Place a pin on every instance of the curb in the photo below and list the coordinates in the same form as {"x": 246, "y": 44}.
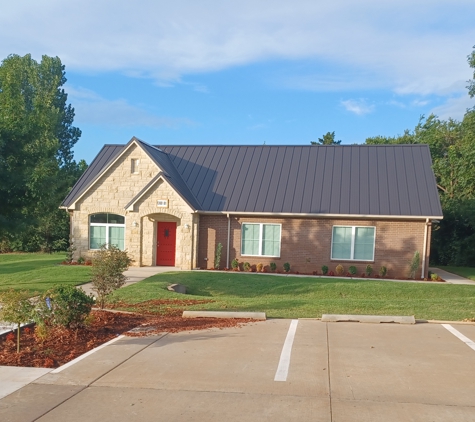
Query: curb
{"x": 373, "y": 319}
{"x": 224, "y": 314}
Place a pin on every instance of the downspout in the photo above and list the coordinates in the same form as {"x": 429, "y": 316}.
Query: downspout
{"x": 424, "y": 249}
{"x": 227, "y": 247}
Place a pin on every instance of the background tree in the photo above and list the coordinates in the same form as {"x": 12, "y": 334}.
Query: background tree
{"x": 471, "y": 82}
{"x": 36, "y": 158}
{"x": 328, "y": 139}
{"x": 452, "y": 150}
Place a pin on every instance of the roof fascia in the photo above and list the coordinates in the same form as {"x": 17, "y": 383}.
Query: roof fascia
{"x": 133, "y": 141}
{"x": 317, "y": 215}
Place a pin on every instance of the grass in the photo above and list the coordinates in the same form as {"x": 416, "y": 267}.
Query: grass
{"x": 467, "y": 272}
{"x": 294, "y": 297}
{"x": 37, "y": 272}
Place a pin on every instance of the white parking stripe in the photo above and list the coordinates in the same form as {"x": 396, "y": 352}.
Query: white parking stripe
{"x": 458, "y": 334}
{"x": 284, "y": 362}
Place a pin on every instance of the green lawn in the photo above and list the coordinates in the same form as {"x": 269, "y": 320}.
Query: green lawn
{"x": 293, "y": 297}
{"x": 467, "y": 272}
{"x": 38, "y": 272}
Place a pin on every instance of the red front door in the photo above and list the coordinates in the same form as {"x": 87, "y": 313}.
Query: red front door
{"x": 166, "y": 241}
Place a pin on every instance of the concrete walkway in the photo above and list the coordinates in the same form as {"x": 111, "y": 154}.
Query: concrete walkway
{"x": 451, "y": 278}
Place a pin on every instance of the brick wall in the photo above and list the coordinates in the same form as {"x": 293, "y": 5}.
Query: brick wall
{"x": 306, "y": 243}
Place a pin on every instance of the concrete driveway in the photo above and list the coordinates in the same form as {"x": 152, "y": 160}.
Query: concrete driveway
{"x": 277, "y": 370}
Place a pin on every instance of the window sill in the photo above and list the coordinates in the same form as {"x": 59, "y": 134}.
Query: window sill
{"x": 371, "y": 261}
{"x": 260, "y": 256}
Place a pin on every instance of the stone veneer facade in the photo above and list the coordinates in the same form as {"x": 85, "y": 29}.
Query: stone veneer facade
{"x": 306, "y": 243}
{"x": 114, "y": 190}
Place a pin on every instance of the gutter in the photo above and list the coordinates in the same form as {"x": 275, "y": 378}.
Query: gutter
{"x": 316, "y": 215}
{"x": 424, "y": 248}
{"x": 227, "y": 247}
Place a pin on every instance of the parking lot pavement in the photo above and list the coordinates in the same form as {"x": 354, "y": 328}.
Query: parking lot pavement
{"x": 324, "y": 371}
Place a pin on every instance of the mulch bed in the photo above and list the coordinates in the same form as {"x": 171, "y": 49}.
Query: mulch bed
{"x": 61, "y": 345}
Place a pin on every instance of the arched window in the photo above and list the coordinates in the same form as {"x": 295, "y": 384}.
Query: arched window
{"x": 106, "y": 229}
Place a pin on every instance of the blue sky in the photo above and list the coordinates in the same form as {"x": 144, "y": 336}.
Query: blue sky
{"x": 249, "y": 72}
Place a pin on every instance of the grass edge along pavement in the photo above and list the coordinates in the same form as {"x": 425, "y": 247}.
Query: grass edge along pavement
{"x": 306, "y": 297}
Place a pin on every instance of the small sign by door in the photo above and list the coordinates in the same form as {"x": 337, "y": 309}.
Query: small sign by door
{"x": 166, "y": 243}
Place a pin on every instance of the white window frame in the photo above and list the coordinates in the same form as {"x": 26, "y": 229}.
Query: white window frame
{"x": 106, "y": 225}
{"x": 353, "y": 237}
{"x": 134, "y": 165}
{"x": 261, "y": 229}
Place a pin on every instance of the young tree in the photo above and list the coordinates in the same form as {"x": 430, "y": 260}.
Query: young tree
{"x": 16, "y": 308}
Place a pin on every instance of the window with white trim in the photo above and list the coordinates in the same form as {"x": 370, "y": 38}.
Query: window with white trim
{"x": 260, "y": 239}
{"x": 353, "y": 243}
{"x": 134, "y": 165}
{"x": 106, "y": 229}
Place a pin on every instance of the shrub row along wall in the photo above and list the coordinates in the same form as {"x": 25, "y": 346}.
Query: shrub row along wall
{"x": 306, "y": 243}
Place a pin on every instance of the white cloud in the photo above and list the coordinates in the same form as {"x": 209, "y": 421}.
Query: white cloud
{"x": 404, "y": 45}
{"x": 93, "y": 109}
{"x": 419, "y": 103}
{"x": 358, "y": 107}
{"x": 454, "y": 108}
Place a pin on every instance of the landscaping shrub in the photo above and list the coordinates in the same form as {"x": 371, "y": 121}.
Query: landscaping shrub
{"x": 369, "y": 270}
{"x": 383, "y": 271}
{"x": 339, "y": 270}
{"x": 286, "y": 267}
{"x": 107, "y": 270}
{"x": 324, "y": 270}
{"x": 273, "y": 266}
{"x": 246, "y": 266}
{"x": 235, "y": 264}
{"x": 64, "y": 305}
{"x": 434, "y": 276}
{"x": 352, "y": 270}
{"x": 259, "y": 267}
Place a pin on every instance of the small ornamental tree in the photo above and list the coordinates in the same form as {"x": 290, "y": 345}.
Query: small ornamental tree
{"x": 17, "y": 309}
{"x": 108, "y": 265}
{"x": 217, "y": 256}
{"x": 414, "y": 265}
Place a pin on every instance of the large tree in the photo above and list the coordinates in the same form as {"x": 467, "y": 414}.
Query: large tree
{"x": 36, "y": 140}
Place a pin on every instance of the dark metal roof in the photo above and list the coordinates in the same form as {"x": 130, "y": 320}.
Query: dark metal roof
{"x": 373, "y": 180}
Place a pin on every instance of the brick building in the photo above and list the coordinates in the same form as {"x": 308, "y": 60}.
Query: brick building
{"x": 306, "y": 205}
